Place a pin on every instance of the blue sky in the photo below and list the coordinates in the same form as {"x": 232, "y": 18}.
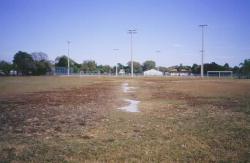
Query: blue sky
{"x": 96, "y": 27}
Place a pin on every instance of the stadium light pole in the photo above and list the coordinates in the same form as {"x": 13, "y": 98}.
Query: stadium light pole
{"x": 116, "y": 70}
{"x": 131, "y": 32}
{"x": 68, "y": 42}
{"x": 202, "y": 48}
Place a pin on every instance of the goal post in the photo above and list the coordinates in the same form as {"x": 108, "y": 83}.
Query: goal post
{"x": 220, "y": 74}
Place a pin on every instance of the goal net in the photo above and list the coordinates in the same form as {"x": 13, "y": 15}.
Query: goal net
{"x": 220, "y": 74}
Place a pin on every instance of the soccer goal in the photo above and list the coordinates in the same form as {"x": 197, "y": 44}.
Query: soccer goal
{"x": 220, "y": 74}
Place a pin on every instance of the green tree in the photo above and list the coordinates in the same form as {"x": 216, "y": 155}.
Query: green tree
{"x": 245, "y": 67}
{"x": 236, "y": 70}
{"x": 24, "y": 63}
{"x": 76, "y": 67}
{"x": 196, "y": 69}
{"x": 103, "y": 69}
{"x": 62, "y": 61}
{"x": 120, "y": 66}
{"x": 226, "y": 67}
{"x": 89, "y": 66}
{"x": 213, "y": 67}
{"x": 147, "y": 65}
{"x": 42, "y": 65}
{"x": 39, "y": 56}
{"x": 137, "y": 67}
{"x": 163, "y": 69}
{"x": 5, "y": 67}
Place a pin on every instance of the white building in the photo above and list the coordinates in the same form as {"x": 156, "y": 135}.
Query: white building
{"x": 152, "y": 72}
{"x": 182, "y": 72}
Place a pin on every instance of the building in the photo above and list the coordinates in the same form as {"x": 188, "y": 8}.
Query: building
{"x": 173, "y": 72}
{"x": 152, "y": 72}
{"x": 185, "y": 72}
{"x": 181, "y": 72}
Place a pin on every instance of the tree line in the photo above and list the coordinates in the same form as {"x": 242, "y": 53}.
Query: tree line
{"x": 27, "y": 64}
{"x": 37, "y": 63}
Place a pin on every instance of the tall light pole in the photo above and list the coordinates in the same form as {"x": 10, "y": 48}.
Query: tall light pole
{"x": 116, "y": 70}
{"x": 131, "y": 32}
{"x": 202, "y": 48}
{"x": 68, "y": 42}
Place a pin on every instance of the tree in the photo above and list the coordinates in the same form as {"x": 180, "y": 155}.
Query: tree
{"x": 137, "y": 67}
{"x": 236, "y": 70}
{"x": 226, "y": 67}
{"x": 106, "y": 69}
{"x": 196, "y": 69}
{"x": 245, "y": 67}
{"x": 120, "y": 66}
{"x": 39, "y": 56}
{"x": 62, "y": 61}
{"x": 76, "y": 67}
{"x": 89, "y": 66}
{"x": 24, "y": 63}
{"x": 127, "y": 69}
{"x": 42, "y": 67}
{"x": 5, "y": 67}
{"x": 163, "y": 69}
{"x": 180, "y": 67}
{"x": 147, "y": 65}
{"x": 213, "y": 67}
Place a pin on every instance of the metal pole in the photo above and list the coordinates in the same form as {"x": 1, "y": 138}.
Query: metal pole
{"x": 202, "y": 48}
{"x": 68, "y": 57}
{"x": 131, "y": 52}
{"x": 131, "y": 32}
{"x": 116, "y": 70}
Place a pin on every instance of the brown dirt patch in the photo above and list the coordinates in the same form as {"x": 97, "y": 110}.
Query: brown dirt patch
{"x": 54, "y": 113}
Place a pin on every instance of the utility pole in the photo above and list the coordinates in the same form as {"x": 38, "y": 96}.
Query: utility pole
{"x": 131, "y": 32}
{"x": 116, "y": 70}
{"x": 202, "y": 48}
{"x": 68, "y": 42}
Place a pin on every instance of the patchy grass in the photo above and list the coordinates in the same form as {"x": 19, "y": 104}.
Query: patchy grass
{"x": 76, "y": 120}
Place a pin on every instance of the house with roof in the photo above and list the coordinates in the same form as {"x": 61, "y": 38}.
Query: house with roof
{"x": 152, "y": 72}
{"x": 179, "y": 71}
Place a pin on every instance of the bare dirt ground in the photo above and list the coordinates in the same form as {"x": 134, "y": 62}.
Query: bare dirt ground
{"x": 77, "y": 120}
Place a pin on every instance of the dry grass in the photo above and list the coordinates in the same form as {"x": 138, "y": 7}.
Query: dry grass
{"x": 76, "y": 120}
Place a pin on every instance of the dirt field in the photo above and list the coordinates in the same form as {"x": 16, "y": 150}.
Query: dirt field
{"x": 60, "y": 119}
